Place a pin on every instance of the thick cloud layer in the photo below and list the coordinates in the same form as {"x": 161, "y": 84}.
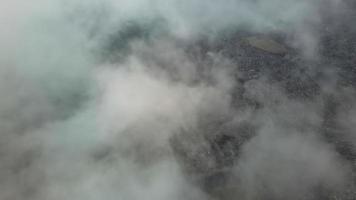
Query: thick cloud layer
{"x": 165, "y": 100}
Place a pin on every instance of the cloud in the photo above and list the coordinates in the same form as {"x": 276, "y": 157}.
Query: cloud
{"x": 94, "y": 94}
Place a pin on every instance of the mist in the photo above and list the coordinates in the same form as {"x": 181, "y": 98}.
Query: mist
{"x": 166, "y": 99}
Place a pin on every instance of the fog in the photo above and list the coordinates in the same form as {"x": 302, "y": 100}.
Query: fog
{"x": 166, "y": 99}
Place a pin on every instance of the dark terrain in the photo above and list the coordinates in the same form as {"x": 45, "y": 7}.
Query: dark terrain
{"x": 301, "y": 79}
